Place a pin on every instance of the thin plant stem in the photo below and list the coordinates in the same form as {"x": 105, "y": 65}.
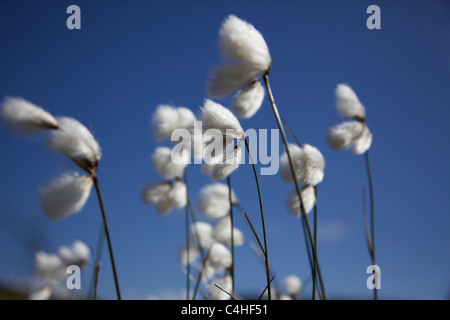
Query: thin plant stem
{"x": 372, "y": 214}
{"x": 97, "y": 257}
{"x": 266, "y": 254}
{"x": 265, "y": 289}
{"x": 108, "y": 238}
{"x": 283, "y": 135}
{"x": 314, "y": 264}
{"x": 188, "y": 265}
{"x": 315, "y": 241}
{"x": 232, "y": 233}
{"x": 97, "y": 271}
{"x": 199, "y": 278}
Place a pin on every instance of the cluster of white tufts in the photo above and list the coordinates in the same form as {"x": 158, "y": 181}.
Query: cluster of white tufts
{"x": 68, "y": 193}
{"x": 220, "y": 130}
{"x": 309, "y": 165}
{"x": 52, "y": 268}
{"x": 208, "y": 251}
{"x": 169, "y": 163}
{"x": 248, "y": 59}
{"x": 353, "y": 133}
{"x": 293, "y": 288}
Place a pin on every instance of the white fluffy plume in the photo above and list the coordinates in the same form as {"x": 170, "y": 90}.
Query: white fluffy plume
{"x": 78, "y": 254}
{"x": 216, "y": 116}
{"x": 65, "y": 195}
{"x": 346, "y": 134}
{"x": 167, "y": 118}
{"x": 178, "y": 193}
{"x": 348, "y": 104}
{"x": 308, "y": 162}
{"x": 364, "y": 141}
{"x": 219, "y": 257}
{"x": 165, "y": 195}
{"x": 308, "y": 199}
{"x": 247, "y": 101}
{"x": 203, "y": 232}
{"x": 25, "y": 117}
{"x": 226, "y": 79}
{"x": 293, "y": 285}
{"x": 49, "y": 267}
{"x": 241, "y": 42}
{"x": 222, "y": 232}
{"x": 170, "y": 165}
{"x": 52, "y": 268}
{"x": 230, "y": 163}
{"x": 214, "y": 202}
{"x": 76, "y": 142}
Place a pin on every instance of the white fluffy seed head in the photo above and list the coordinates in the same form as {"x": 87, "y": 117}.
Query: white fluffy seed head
{"x": 364, "y": 141}
{"x": 170, "y": 165}
{"x": 155, "y": 191}
{"x": 76, "y": 142}
{"x": 346, "y": 134}
{"x": 308, "y": 162}
{"x": 348, "y": 104}
{"x": 240, "y": 41}
{"x": 178, "y": 193}
{"x": 165, "y": 195}
{"x": 214, "y": 202}
{"x": 222, "y": 232}
{"x": 308, "y": 199}
{"x": 226, "y": 79}
{"x": 189, "y": 254}
{"x": 225, "y": 283}
{"x": 216, "y": 116}
{"x": 49, "y": 267}
{"x": 43, "y": 293}
{"x": 203, "y": 232}
{"x": 167, "y": 118}
{"x": 219, "y": 257}
{"x": 79, "y": 254}
{"x": 247, "y": 101}
{"x": 65, "y": 195}
{"x": 230, "y": 163}
{"x": 26, "y": 118}
{"x": 158, "y": 193}
{"x": 293, "y": 285}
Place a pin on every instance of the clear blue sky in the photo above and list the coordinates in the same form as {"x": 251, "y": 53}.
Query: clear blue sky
{"x": 128, "y": 58}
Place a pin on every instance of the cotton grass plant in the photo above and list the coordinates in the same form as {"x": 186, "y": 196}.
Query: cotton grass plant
{"x": 207, "y": 256}
{"x": 355, "y": 134}
{"x": 68, "y": 193}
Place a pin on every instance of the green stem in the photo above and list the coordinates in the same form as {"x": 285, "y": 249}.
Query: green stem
{"x": 266, "y": 254}
{"x": 232, "y": 233}
{"x": 372, "y": 214}
{"x": 283, "y": 135}
{"x": 188, "y": 264}
{"x": 108, "y": 238}
{"x": 315, "y": 242}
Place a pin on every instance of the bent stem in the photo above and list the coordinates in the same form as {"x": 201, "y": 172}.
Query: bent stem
{"x": 372, "y": 215}
{"x": 313, "y": 260}
{"x": 232, "y": 233}
{"x": 108, "y": 238}
{"x": 266, "y": 255}
{"x": 283, "y": 135}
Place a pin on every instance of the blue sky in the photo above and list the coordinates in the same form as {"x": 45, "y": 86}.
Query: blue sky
{"x": 129, "y": 58}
